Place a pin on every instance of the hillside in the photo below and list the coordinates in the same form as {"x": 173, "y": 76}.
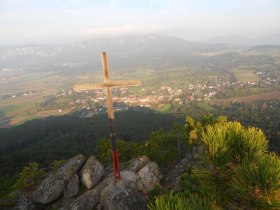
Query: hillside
{"x": 44, "y": 140}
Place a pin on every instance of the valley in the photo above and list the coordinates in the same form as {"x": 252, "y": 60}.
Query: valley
{"x": 204, "y": 73}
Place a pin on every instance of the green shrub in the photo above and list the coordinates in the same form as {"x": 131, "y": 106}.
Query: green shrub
{"x": 56, "y": 164}
{"x": 156, "y": 191}
{"x": 256, "y": 182}
{"x": 127, "y": 150}
{"x": 237, "y": 171}
{"x": 6, "y": 182}
{"x": 30, "y": 176}
{"x": 169, "y": 202}
{"x": 172, "y": 201}
{"x": 189, "y": 184}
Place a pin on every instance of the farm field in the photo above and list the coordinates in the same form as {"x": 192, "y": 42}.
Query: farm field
{"x": 252, "y": 98}
{"x": 18, "y": 109}
{"x": 245, "y": 75}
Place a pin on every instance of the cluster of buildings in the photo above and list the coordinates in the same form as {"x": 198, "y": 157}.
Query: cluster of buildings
{"x": 124, "y": 98}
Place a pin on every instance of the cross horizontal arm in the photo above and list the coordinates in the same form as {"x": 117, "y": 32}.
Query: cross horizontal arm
{"x": 106, "y": 85}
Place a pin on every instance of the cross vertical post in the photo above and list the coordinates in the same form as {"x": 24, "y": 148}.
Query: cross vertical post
{"x": 111, "y": 117}
{"x": 108, "y": 85}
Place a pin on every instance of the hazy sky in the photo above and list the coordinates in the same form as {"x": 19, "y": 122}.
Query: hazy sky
{"x": 60, "y": 21}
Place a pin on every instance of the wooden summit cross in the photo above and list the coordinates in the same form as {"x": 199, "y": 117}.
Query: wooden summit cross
{"x": 108, "y": 85}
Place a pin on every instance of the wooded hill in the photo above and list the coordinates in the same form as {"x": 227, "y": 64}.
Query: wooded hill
{"x": 55, "y": 138}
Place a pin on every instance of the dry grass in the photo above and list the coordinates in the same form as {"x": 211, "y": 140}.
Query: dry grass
{"x": 245, "y": 75}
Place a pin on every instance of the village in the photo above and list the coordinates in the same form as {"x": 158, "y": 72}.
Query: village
{"x": 125, "y": 98}
{"x": 159, "y": 97}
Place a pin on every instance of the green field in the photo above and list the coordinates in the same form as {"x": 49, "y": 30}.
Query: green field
{"x": 245, "y": 75}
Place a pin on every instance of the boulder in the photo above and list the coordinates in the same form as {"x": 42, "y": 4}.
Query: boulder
{"x": 131, "y": 180}
{"x": 136, "y": 164}
{"x": 52, "y": 187}
{"x": 119, "y": 197}
{"x": 72, "y": 188}
{"x": 92, "y": 172}
{"x": 86, "y": 201}
{"x": 150, "y": 176}
{"x": 24, "y": 204}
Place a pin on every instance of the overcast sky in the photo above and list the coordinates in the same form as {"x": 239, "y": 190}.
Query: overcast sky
{"x": 60, "y": 21}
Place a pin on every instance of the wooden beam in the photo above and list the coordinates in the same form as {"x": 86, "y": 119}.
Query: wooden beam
{"x": 107, "y": 85}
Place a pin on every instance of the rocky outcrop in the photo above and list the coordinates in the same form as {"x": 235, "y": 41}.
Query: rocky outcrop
{"x": 91, "y": 172}
{"x": 53, "y": 186}
{"x": 101, "y": 192}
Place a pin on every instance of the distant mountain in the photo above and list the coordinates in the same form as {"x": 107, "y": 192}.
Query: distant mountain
{"x": 265, "y": 48}
{"x": 231, "y": 40}
{"x": 124, "y": 52}
{"x": 273, "y": 39}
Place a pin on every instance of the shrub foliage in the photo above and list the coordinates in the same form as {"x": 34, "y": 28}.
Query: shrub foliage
{"x": 235, "y": 171}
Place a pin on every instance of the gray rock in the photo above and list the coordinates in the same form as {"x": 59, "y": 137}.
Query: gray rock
{"x": 150, "y": 176}
{"x": 119, "y": 197}
{"x": 92, "y": 172}
{"x": 52, "y": 187}
{"x": 24, "y": 204}
{"x": 131, "y": 180}
{"x": 86, "y": 201}
{"x": 72, "y": 188}
{"x": 171, "y": 179}
{"x": 136, "y": 164}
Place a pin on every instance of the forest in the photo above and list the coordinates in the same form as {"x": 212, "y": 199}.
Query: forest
{"x": 54, "y": 138}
